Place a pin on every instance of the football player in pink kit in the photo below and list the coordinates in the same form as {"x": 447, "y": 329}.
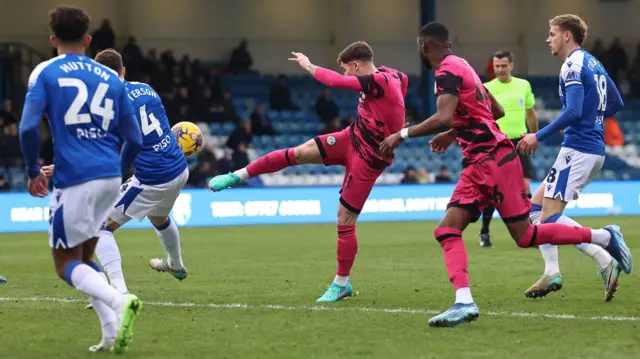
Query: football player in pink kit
{"x": 492, "y": 172}
{"x": 381, "y": 112}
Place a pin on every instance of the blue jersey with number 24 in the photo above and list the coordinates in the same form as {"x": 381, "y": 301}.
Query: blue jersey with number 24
{"x": 84, "y": 102}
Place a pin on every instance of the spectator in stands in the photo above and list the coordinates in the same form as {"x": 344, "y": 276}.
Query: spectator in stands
{"x": 241, "y": 135}
{"x": 261, "y": 122}
{"x": 241, "y": 60}
{"x": 151, "y": 62}
{"x": 133, "y": 59}
{"x": 326, "y": 108}
{"x": 11, "y": 145}
{"x": 4, "y": 185}
{"x": 624, "y": 85}
{"x": 280, "y": 96}
{"x": 182, "y": 98}
{"x": 424, "y": 176}
{"x": 240, "y": 157}
{"x": 207, "y": 107}
{"x": 207, "y": 167}
{"x": 410, "y": 176}
{"x": 225, "y": 164}
{"x": 167, "y": 58}
{"x": 104, "y": 37}
{"x": 213, "y": 81}
{"x": 411, "y": 114}
{"x": 617, "y": 59}
{"x": 443, "y": 176}
{"x": 7, "y": 115}
{"x": 598, "y": 51}
{"x": 334, "y": 125}
{"x": 613, "y": 136}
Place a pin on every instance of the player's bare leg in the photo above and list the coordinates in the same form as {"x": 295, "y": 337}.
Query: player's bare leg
{"x": 449, "y": 234}
{"x": 169, "y": 237}
{"x": 306, "y": 153}
{"x": 347, "y": 248}
{"x": 551, "y": 212}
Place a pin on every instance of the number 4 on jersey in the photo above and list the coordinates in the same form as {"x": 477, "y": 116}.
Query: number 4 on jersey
{"x": 149, "y": 122}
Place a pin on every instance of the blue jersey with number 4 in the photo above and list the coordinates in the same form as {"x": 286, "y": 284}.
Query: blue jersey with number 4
{"x": 84, "y": 102}
{"x": 582, "y": 69}
{"x": 161, "y": 159}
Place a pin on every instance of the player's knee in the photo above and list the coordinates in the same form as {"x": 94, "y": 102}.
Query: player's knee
{"x": 111, "y": 225}
{"x": 525, "y": 236}
{"x": 158, "y": 221}
{"x": 346, "y": 217}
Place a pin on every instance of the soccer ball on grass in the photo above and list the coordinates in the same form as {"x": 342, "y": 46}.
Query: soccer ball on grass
{"x": 189, "y": 137}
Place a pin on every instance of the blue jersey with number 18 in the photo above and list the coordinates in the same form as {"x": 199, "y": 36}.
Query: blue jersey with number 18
{"x": 582, "y": 69}
{"x": 84, "y": 102}
{"x": 161, "y": 159}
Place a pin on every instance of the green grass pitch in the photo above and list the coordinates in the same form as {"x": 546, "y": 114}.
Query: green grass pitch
{"x": 251, "y": 294}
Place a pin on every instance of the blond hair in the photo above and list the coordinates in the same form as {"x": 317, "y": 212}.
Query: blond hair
{"x": 573, "y": 24}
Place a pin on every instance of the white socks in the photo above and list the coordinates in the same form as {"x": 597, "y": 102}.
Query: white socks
{"x": 106, "y": 314}
{"x": 109, "y": 257}
{"x": 463, "y": 296}
{"x": 341, "y": 280}
{"x": 599, "y": 237}
{"x": 88, "y": 281}
{"x": 170, "y": 239}
{"x": 242, "y": 173}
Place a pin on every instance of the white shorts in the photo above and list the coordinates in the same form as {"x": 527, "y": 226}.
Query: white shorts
{"x": 78, "y": 212}
{"x": 139, "y": 200}
{"x": 571, "y": 173}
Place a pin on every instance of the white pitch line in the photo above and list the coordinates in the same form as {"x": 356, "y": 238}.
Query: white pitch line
{"x": 317, "y": 308}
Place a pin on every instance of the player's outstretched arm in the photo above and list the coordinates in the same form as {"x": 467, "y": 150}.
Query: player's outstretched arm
{"x": 614, "y": 100}
{"x": 441, "y": 121}
{"x": 326, "y": 76}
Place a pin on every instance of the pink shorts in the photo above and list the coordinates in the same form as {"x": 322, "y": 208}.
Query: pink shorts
{"x": 498, "y": 180}
{"x": 336, "y": 149}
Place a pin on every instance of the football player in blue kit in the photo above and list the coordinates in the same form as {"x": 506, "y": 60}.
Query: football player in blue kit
{"x": 160, "y": 173}
{"x": 96, "y": 138}
{"x": 588, "y": 95}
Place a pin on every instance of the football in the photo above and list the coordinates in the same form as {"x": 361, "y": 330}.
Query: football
{"x": 189, "y": 137}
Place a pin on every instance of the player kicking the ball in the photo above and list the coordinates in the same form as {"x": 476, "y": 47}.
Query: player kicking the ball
{"x": 88, "y": 113}
{"x": 381, "y": 112}
{"x": 160, "y": 173}
{"x": 492, "y": 173}
{"x": 588, "y": 95}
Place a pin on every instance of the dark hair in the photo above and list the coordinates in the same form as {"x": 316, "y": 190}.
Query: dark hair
{"x": 572, "y": 23}
{"x": 111, "y": 59}
{"x": 436, "y": 31}
{"x": 359, "y": 50}
{"x": 69, "y": 24}
{"x": 501, "y": 54}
